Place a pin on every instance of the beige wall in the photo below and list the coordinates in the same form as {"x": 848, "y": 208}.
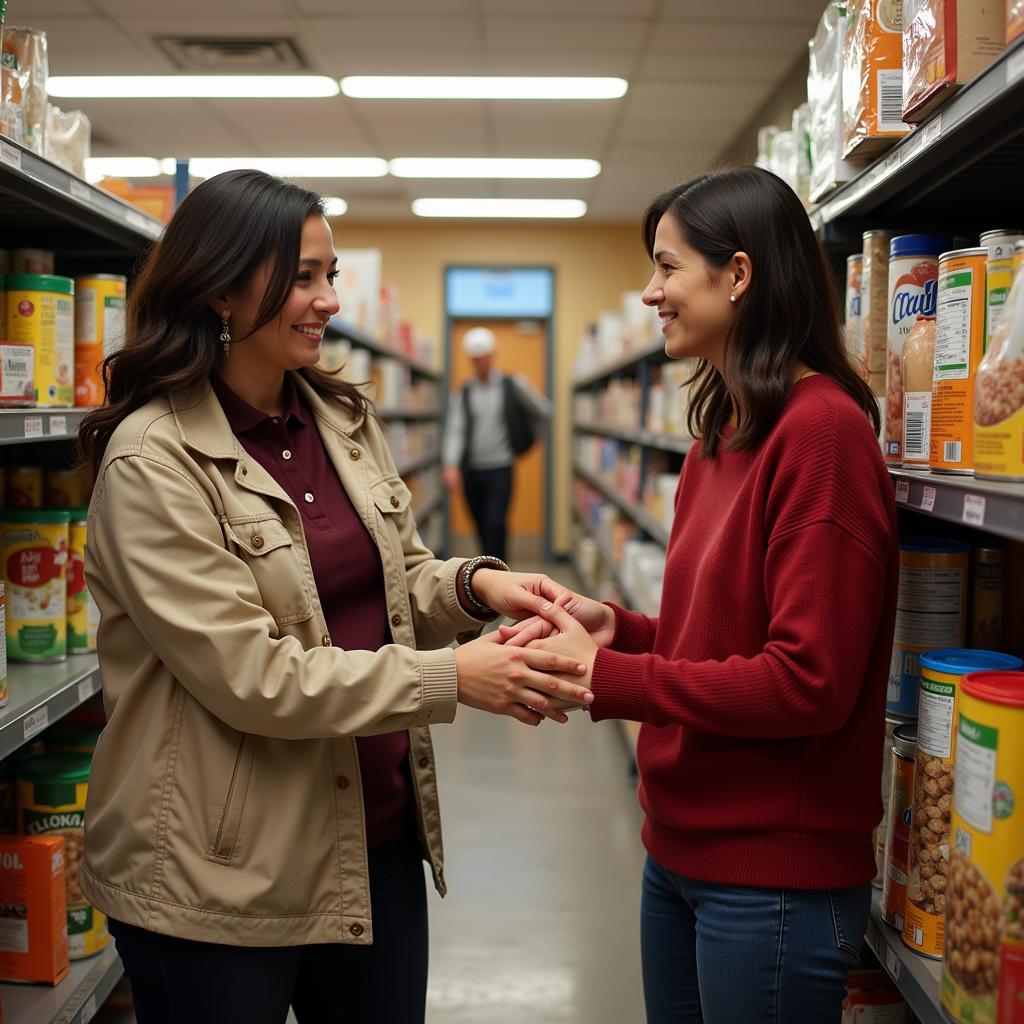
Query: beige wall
{"x": 593, "y": 265}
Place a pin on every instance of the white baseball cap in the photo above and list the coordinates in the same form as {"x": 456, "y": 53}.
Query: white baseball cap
{"x": 479, "y": 341}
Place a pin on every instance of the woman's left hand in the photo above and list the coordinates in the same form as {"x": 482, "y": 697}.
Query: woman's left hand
{"x": 517, "y": 595}
{"x": 569, "y": 639}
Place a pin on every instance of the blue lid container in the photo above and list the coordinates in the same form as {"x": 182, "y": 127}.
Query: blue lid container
{"x": 960, "y": 661}
{"x": 935, "y": 545}
{"x": 903, "y": 246}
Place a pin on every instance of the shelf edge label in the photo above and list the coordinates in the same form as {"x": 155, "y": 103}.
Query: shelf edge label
{"x": 928, "y": 499}
{"x": 1015, "y": 67}
{"x": 58, "y": 425}
{"x": 86, "y": 688}
{"x": 36, "y": 722}
{"x": 974, "y": 509}
{"x": 33, "y": 426}
{"x": 80, "y": 191}
{"x": 903, "y": 491}
{"x": 10, "y": 155}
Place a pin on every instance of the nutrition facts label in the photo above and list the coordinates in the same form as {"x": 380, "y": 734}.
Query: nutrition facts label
{"x": 930, "y": 609}
{"x": 975, "y": 773}
{"x": 953, "y": 330}
{"x": 935, "y": 721}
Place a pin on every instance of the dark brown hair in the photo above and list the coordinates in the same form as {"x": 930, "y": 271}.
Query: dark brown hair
{"x": 788, "y": 315}
{"x": 225, "y": 230}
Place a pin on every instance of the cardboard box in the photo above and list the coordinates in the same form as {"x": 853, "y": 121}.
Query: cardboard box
{"x": 33, "y": 909}
{"x": 1014, "y": 20}
{"x": 945, "y": 44}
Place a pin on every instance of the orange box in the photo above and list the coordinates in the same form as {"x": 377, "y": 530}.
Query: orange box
{"x": 1014, "y": 20}
{"x": 33, "y": 909}
{"x": 872, "y": 77}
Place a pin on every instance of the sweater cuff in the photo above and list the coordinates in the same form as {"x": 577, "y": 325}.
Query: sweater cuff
{"x": 617, "y": 687}
{"x": 439, "y": 679}
{"x": 632, "y": 631}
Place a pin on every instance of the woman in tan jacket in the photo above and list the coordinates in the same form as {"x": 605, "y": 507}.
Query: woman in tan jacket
{"x": 273, "y": 642}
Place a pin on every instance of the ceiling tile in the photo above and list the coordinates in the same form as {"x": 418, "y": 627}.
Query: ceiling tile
{"x": 428, "y": 128}
{"x": 683, "y": 97}
{"x": 797, "y": 12}
{"x": 356, "y": 35}
{"x": 587, "y": 9}
{"x": 611, "y": 35}
{"x": 372, "y": 210}
{"x": 543, "y": 62}
{"x": 547, "y": 129}
{"x": 80, "y": 45}
{"x": 381, "y": 7}
{"x": 44, "y": 8}
{"x": 784, "y": 41}
{"x": 190, "y": 15}
{"x": 384, "y": 61}
{"x": 709, "y": 67}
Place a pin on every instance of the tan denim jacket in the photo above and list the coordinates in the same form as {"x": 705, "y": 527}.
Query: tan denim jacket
{"x": 225, "y": 802}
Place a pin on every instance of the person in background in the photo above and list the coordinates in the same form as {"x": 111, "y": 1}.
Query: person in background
{"x": 491, "y": 422}
{"x": 761, "y": 684}
{"x": 273, "y": 642}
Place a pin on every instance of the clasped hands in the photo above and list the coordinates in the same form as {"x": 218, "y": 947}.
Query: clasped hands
{"x": 541, "y": 666}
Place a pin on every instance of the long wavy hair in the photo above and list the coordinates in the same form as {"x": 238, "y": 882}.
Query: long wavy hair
{"x": 789, "y": 314}
{"x": 222, "y": 233}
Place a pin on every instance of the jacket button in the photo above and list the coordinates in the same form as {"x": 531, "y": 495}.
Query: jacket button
{"x": 341, "y": 782}
{"x": 325, "y": 641}
{"x": 355, "y": 454}
{"x": 257, "y": 541}
{"x": 394, "y": 502}
{"x": 356, "y": 930}
{"x": 245, "y": 472}
{"x": 396, "y": 620}
{"x": 424, "y": 762}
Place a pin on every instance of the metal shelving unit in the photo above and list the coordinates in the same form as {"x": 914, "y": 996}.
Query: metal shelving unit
{"x": 637, "y": 513}
{"x": 339, "y": 328}
{"x": 609, "y": 562}
{"x": 18, "y": 426}
{"x": 418, "y": 464}
{"x": 644, "y": 438}
{"x": 410, "y": 415}
{"x": 651, "y": 350}
{"x": 429, "y": 508}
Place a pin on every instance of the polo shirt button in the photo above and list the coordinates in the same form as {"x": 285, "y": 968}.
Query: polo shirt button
{"x": 396, "y": 620}
{"x": 355, "y": 454}
{"x": 309, "y": 498}
{"x": 341, "y": 782}
{"x": 325, "y": 641}
{"x": 356, "y": 930}
{"x": 257, "y": 541}
{"x": 394, "y": 502}
{"x": 424, "y": 762}
{"x": 286, "y": 455}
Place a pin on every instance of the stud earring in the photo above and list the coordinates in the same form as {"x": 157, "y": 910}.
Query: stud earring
{"x": 732, "y": 298}
{"x": 225, "y": 331}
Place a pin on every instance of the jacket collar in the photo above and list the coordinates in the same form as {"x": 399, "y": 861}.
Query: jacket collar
{"x": 205, "y": 428}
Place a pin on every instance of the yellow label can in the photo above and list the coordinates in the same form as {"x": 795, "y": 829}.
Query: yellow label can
{"x": 983, "y": 973}
{"x": 999, "y": 244}
{"x": 83, "y": 614}
{"x": 99, "y": 332}
{"x": 67, "y": 488}
{"x": 41, "y": 313}
{"x": 24, "y": 487}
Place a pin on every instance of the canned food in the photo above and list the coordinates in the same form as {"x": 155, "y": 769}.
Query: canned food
{"x": 854, "y": 320}
{"x": 918, "y": 366}
{"x": 902, "y": 756}
{"x": 881, "y": 833}
{"x": 25, "y": 487}
{"x": 17, "y": 374}
{"x": 999, "y": 274}
{"x": 52, "y": 791}
{"x": 959, "y": 347}
{"x": 930, "y": 613}
{"x": 941, "y": 674}
{"x": 987, "y": 589}
{"x": 67, "y": 488}
{"x": 3, "y": 305}
{"x": 983, "y": 976}
{"x": 5, "y": 693}
{"x": 32, "y": 261}
{"x": 875, "y": 305}
{"x": 83, "y": 613}
{"x": 34, "y": 548}
{"x": 99, "y": 332}
{"x": 41, "y": 313}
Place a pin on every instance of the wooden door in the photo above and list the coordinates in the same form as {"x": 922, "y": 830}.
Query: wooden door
{"x": 522, "y": 348}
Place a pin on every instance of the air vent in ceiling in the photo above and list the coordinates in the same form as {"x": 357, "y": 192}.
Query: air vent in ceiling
{"x": 193, "y": 53}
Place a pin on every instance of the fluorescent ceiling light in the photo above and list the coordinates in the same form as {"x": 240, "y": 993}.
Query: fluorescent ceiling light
{"x": 425, "y": 87}
{"x": 191, "y": 86}
{"x": 528, "y": 208}
{"x": 292, "y": 166}
{"x": 99, "y": 167}
{"x": 485, "y": 167}
{"x": 334, "y": 206}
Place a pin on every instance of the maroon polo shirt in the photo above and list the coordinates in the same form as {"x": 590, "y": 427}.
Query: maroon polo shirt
{"x": 348, "y": 574}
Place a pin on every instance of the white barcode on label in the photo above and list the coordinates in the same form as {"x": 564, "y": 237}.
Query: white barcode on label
{"x": 952, "y": 451}
{"x": 928, "y": 499}
{"x": 10, "y": 155}
{"x": 890, "y": 101}
{"x": 33, "y": 426}
{"x": 915, "y": 439}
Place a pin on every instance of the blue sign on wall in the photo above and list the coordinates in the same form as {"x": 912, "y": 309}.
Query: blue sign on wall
{"x": 486, "y": 292}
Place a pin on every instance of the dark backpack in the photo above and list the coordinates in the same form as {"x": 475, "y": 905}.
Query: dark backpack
{"x": 519, "y": 418}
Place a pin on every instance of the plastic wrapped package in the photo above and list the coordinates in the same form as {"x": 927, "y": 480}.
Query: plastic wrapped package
{"x": 802, "y": 138}
{"x": 765, "y": 140}
{"x": 945, "y": 44}
{"x": 25, "y": 65}
{"x": 873, "y": 77}
{"x": 875, "y": 306}
{"x": 783, "y": 158}
{"x": 68, "y": 138}
{"x": 1014, "y": 20}
{"x": 825, "y": 96}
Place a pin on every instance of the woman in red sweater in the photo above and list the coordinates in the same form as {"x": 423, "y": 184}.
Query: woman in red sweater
{"x": 761, "y": 685}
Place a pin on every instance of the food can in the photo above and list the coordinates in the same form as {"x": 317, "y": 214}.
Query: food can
{"x": 881, "y": 833}
{"x": 24, "y": 487}
{"x": 73, "y": 738}
{"x": 32, "y": 261}
{"x": 918, "y": 366}
{"x": 983, "y": 976}
{"x": 5, "y": 693}
{"x": 34, "y": 548}
{"x": 52, "y": 790}
{"x": 854, "y": 318}
{"x": 99, "y": 331}
{"x": 17, "y": 374}
{"x": 930, "y": 613}
{"x": 913, "y": 287}
{"x": 927, "y": 878}
{"x": 902, "y": 754}
{"x": 999, "y": 244}
{"x": 3, "y": 306}
{"x": 988, "y": 586}
{"x": 67, "y": 488}
{"x": 41, "y": 313}
{"x": 959, "y": 347}
{"x": 875, "y": 306}
{"x": 83, "y": 613}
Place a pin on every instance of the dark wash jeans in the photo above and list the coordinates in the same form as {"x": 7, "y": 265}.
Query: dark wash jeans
{"x": 488, "y": 495}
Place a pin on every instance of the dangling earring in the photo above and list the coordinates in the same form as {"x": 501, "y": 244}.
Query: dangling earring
{"x": 225, "y": 331}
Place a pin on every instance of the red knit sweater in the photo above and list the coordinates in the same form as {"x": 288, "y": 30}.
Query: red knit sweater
{"x": 761, "y": 685}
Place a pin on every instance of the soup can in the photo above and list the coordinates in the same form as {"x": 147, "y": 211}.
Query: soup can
{"x": 67, "y": 488}
{"x": 854, "y": 317}
{"x": 881, "y": 833}
{"x": 959, "y": 347}
{"x": 988, "y": 586}
{"x": 41, "y": 313}
{"x": 32, "y": 261}
{"x": 918, "y": 368}
{"x": 928, "y": 875}
{"x": 983, "y": 973}
{"x": 999, "y": 244}
{"x": 52, "y": 790}
{"x": 931, "y": 613}
{"x": 17, "y": 375}
{"x": 24, "y": 487}
{"x": 99, "y": 331}
{"x": 83, "y": 614}
{"x": 34, "y": 549}
{"x": 913, "y": 287}
{"x": 902, "y": 754}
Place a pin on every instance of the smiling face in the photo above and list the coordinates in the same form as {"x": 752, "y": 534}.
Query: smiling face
{"x": 292, "y": 339}
{"x": 692, "y": 297}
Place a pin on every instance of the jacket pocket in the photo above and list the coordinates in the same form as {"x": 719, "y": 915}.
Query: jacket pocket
{"x": 265, "y": 545}
{"x": 391, "y": 497}
{"x": 225, "y": 835}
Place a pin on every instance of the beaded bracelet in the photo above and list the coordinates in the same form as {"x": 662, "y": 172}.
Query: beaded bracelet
{"x": 480, "y": 562}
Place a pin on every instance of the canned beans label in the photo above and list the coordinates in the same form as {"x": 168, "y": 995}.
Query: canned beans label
{"x": 35, "y": 565}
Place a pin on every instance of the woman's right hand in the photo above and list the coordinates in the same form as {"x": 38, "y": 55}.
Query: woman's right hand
{"x": 596, "y": 618}
{"x": 515, "y": 681}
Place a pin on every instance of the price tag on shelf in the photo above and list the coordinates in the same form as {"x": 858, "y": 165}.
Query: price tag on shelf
{"x": 1015, "y": 67}
{"x": 58, "y": 425}
{"x": 928, "y": 499}
{"x": 903, "y": 491}
{"x": 36, "y": 722}
{"x": 88, "y": 1009}
{"x": 893, "y": 964}
{"x": 10, "y": 155}
{"x": 80, "y": 191}
{"x": 33, "y": 426}
{"x": 933, "y": 129}
{"x": 892, "y": 162}
{"x": 974, "y": 509}
{"x": 87, "y": 687}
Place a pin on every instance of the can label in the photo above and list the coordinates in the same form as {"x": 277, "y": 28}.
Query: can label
{"x": 99, "y": 333}
{"x": 35, "y": 565}
{"x": 83, "y": 614}
{"x": 987, "y": 598}
{"x": 17, "y": 375}
{"x": 5, "y": 695}
{"x": 897, "y": 848}
{"x": 46, "y": 321}
{"x": 854, "y": 316}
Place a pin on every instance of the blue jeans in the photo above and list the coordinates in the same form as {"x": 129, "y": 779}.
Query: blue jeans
{"x": 718, "y": 954}
{"x": 488, "y": 495}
